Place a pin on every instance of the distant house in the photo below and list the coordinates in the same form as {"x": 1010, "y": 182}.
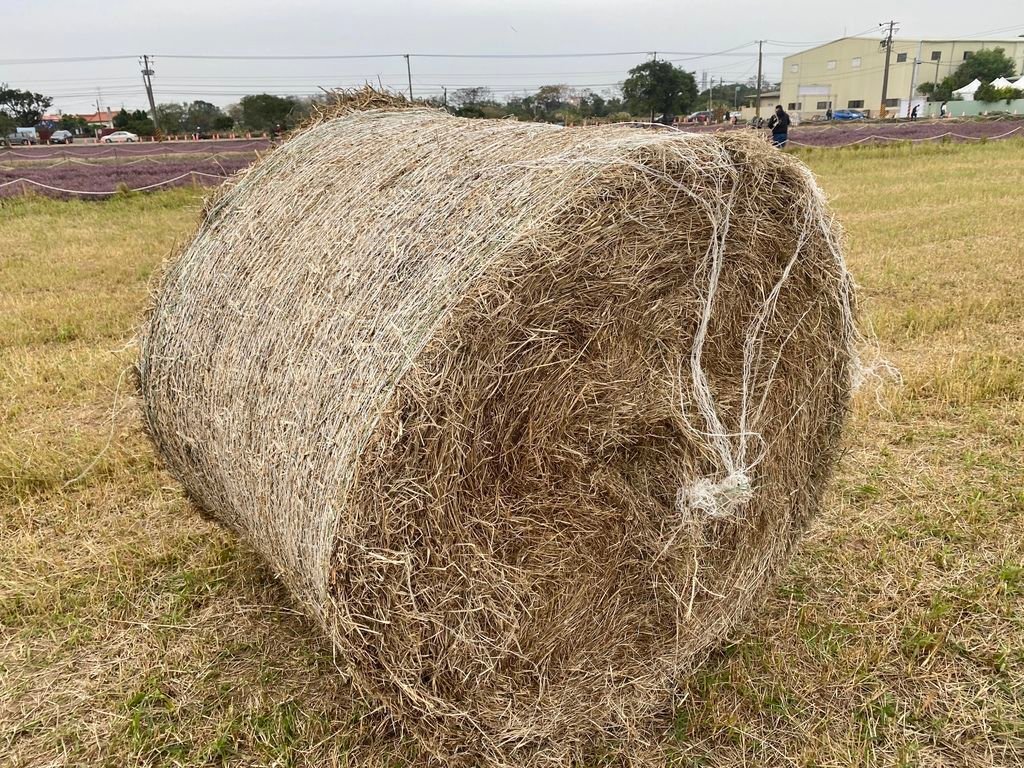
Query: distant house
{"x": 104, "y": 119}
{"x": 769, "y": 100}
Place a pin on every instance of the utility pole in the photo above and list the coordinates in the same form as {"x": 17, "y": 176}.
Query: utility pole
{"x": 147, "y": 80}
{"x": 887, "y": 43}
{"x": 711, "y": 93}
{"x": 913, "y": 83}
{"x": 408, "y": 71}
{"x": 757, "y": 100}
{"x": 444, "y": 89}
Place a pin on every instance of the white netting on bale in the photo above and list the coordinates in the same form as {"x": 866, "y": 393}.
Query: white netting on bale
{"x": 524, "y": 416}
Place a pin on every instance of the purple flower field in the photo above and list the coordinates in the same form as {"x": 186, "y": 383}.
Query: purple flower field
{"x": 96, "y": 171}
{"x": 143, "y": 149}
{"x": 102, "y": 180}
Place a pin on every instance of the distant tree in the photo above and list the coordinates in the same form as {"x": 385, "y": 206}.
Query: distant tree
{"x": 985, "y": 65}
{"x": 201, "y": 116}
{"x": 23, "y": 108}
{"x": 471, "y": 97}
{"x": 223, "y": 123}
{"x": 137, "y": 122}
{"x": 73, "y": 123}
{"x": 613, "y": 102}
{"x": 728, "y": 96}
{"x": 592, "y": 105}
{"x": 170, "y": 118}
{"x": 659, "y": 87}
{"x": 989, "y": 93}
{"x": 550, "y": 100}
{"x": 234, "y": 111}
{"x": 265, "y": 112}
{"x": 942, "y": 91}
{"x": 141, "y": 123}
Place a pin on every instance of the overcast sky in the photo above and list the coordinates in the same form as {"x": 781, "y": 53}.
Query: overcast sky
{"x": 679, "y": 31}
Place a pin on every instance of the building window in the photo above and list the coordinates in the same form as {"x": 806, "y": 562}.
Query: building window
{"x": 936, "y": 55}
{"x": 823, "y": 105}
{"x": 855, "y": 62}
{"x": 892, "y": 102}
{"x": 901, "y": 57}
{"x": 855, "y": 104}
{"x": 794, "y": 67}
{"x": 968, "y": 54}
{"x": 795, "y": 105}
{"x": 831, "y": 64}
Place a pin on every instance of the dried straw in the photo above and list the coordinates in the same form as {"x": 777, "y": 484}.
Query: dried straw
{"x": 524, "y": 416}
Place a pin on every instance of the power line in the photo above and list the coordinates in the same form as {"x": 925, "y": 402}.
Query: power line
{"x": 347, "y": 57}
{"x": 995, "y": 31}
{"x": 66, "y": 59}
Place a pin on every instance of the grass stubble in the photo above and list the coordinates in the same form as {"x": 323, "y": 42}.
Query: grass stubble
{"x": 132, "y": 632}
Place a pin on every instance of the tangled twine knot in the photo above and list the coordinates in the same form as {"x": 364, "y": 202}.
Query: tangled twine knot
{"x": 715, "y": 499}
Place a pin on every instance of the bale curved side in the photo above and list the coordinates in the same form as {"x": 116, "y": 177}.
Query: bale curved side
{"x": 452, "y": 379}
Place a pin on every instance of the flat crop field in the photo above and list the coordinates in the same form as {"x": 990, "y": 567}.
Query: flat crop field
{"x": 135, "y": 633}
{"x": 101, "y": 170}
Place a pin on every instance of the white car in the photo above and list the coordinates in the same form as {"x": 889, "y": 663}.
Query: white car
{"x": 117, "y": 136}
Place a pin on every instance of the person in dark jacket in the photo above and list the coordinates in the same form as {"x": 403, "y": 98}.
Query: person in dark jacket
{"x": 779, "y": 123}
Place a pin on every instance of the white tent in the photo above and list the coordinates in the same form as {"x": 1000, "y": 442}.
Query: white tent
{"x": 1019, "y": 84}
{"x": 967, "y": 92}
{"x": 1001, "y": 82}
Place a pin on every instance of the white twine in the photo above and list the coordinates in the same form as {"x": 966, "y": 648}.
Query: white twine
{"x": 716, "y": 499}
{"x": 722, "y": 495}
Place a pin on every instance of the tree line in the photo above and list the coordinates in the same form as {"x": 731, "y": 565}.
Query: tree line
{"x": 653, "y": 90}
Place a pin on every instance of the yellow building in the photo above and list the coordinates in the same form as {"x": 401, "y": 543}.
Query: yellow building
{"x": 769, "y": 99}
{"x": 847, "y": 73}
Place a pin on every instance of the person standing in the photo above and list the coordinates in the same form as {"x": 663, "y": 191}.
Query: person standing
{"x": 779, "y": 123}
{"x": 913, "y": 113}
{"x": 828, "y": 113}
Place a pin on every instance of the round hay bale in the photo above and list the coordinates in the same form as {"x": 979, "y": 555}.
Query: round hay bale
{"x": 524, "y": 416}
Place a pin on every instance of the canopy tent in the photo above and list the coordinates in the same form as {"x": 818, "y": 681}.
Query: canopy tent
{"x": 967, "y": 92}
{"x": 1019, "y": 84}
{"x": 1002, "y": 82}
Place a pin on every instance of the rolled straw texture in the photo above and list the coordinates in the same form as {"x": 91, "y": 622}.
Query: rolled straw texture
{"x": 525, "y": 417}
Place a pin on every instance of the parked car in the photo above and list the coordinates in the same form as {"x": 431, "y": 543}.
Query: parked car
{"x": 22, "y": 136}
{"x": 119, "y": 136}
{"x": 701, "y": 117}
{"x": 848, "y": 114}
{"x": 62, "y": 137}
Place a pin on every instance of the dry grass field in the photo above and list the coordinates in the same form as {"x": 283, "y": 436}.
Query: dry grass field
{"x": 133, "y": 633}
